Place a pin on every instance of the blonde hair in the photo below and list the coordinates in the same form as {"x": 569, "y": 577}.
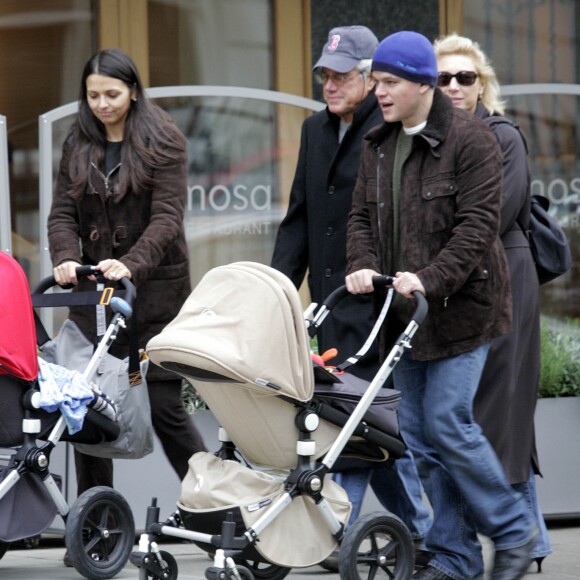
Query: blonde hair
{"x": 455, "y": 44}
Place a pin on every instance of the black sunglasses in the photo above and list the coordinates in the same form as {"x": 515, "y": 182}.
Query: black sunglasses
{"x": 464, "y": 77}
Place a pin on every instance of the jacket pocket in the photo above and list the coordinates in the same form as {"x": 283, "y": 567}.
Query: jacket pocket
{"x": 439, "y": 202}
{"x": 467, "y": 313}
{"x": 371, "y": 190}
{"x": 477, "y": 287}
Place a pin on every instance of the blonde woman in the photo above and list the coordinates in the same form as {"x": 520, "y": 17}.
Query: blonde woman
{"x": 508, "y": 391}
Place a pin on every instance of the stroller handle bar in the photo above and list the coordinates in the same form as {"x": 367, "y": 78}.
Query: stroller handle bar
{"x": 379, "y": 282}
{"x": 85, "y": 271}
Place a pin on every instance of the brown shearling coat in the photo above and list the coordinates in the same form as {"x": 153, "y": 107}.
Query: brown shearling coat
{"x": 143, "y": 230}
{"x": 449, "y": 220}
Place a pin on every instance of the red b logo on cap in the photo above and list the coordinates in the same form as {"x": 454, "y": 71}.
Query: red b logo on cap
{"x": 333, "y": 44}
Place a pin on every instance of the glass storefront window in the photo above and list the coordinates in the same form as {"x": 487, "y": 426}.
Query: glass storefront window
{"x": 235, "y": 194}
{"x": 212, "y": 42}
{"x": 534, "y": 47}
{"x": 43, "y": 46}
{"x": 238, "y": 152}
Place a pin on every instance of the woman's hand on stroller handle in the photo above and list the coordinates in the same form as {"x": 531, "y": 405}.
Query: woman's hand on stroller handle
{"x": 66, "y": 274}
{"x": 113, "y": 269}
{"x": 67, "y": 281}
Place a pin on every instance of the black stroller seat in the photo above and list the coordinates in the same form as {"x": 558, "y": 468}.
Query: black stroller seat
{"x": 15, "y": 406}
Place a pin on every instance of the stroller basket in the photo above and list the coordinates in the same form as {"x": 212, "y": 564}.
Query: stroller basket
{"x": 30, "y": 496}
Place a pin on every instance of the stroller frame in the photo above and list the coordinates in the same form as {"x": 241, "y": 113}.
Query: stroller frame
{"x": 307, "y": 479}
{"x": 112, "y": 513}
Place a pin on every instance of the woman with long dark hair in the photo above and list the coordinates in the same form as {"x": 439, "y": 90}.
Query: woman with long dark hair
{"x": 119, "y": 203}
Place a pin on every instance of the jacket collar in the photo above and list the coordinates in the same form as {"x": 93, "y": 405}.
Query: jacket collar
{"x": 438, "y": 122}
{"x": 481, "y": 111}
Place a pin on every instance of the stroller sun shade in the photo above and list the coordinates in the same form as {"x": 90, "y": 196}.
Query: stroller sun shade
{"x": 18, "y": 352}
{"x": 243, "y": 323}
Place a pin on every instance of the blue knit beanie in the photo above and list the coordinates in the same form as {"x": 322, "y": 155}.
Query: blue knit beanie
{"x": 408, "y": 55}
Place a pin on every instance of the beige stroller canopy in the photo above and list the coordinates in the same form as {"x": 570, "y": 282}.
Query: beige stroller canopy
{"x": 241, "y": 341}
{"x": 243, "y": 323}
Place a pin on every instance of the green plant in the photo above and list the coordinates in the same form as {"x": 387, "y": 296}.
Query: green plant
{"x": 191, "y": 399}
{"x": 560, "y": 366}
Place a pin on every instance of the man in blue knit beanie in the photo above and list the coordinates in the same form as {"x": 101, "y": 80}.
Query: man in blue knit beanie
{"x": 426, "y": 208}
{"x": 311, "y": 245}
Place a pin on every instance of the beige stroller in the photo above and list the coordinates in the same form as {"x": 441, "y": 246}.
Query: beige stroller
{"x": 265, "y": 503}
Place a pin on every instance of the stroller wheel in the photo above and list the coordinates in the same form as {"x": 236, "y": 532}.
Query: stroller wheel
{"x": 240, "y": 573}
{"x": 4, "y": 548}
{"x": 264, "y": 570}
{"x": 161, "y": 566}
{"x": 243, "y": 573}
{"x": 100, "y": 533}
{"x": 377, "y": 544}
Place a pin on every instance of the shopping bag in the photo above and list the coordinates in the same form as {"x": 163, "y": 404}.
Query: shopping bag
{"x": 71, "y": 349}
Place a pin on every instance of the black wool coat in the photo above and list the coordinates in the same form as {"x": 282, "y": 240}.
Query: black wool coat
{"x": 312, "y": 236}
{"x": 508, "y": 392}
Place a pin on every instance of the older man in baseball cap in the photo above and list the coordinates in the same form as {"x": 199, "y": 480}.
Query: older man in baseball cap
{"x": 312, "y": 237}
{"x": 343, "y": 70}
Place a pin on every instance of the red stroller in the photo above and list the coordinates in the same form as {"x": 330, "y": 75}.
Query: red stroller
{"x": 99, "y": 529}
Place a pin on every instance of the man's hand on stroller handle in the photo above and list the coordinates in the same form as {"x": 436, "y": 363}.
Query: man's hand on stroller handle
{"x": 406, "y": 283}
{"x": 364, "y": 282}
{"x": 361, "y": 281}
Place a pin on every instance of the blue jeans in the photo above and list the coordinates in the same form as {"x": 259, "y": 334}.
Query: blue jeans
{"x": 354, "y": 482}
{"x": 460, "y": 472}
{"x": 543, "y": 546}
{"x": 397, "y": 486}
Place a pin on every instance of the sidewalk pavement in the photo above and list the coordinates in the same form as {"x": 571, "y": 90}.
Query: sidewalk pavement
{"x": 45, "y": 561}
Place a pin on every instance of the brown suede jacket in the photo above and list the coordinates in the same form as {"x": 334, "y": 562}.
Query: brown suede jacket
{"x": 450, "y": 200}
{"x": 144, "y": 231}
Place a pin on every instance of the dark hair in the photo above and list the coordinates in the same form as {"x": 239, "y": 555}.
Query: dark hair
{"x": 151, "y": 137}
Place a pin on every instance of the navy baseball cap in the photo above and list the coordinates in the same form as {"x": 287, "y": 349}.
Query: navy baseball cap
{"x": 346, "y": 47}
